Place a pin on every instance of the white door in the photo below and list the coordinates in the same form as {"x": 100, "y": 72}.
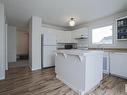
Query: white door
{"x": 48, "y": 56}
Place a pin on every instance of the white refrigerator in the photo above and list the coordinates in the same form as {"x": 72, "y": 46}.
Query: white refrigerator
{"x": 48, "y": 46}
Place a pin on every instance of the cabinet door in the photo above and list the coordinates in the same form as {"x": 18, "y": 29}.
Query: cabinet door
{"x": 64, "y": 37}
{"x": 58, "y": 33}
{"x": 79, "y": 32}
{"x": 67, "y": 37}
{"x": 118, "y": 64}
{"x": 61, "y": 37}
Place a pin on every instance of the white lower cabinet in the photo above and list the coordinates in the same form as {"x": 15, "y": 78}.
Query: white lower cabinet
{"x": 118, "y": 64}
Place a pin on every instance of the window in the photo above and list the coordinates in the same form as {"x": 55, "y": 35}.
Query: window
{"x": 102, "y": 35}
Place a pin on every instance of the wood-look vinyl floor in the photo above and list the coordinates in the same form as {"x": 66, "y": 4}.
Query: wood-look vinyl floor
{"x": 19, "y": 63}
{"x": 21, "y": 81}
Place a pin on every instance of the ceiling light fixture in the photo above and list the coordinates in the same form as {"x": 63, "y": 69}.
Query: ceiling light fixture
{"x": 72, "y": 22}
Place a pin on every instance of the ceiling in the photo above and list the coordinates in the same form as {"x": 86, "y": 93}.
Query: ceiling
{"x": 57, "y": 12}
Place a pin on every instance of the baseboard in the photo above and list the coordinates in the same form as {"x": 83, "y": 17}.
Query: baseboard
{"x": 119, "y": 76}
{"x": 34, "y": 69}
{"x": 49, "y": 67}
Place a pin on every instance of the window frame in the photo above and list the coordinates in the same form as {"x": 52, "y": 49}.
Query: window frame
{"x": 97, "y": 45}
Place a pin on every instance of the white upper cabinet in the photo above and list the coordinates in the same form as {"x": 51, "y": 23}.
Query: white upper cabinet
{"x": 55, "y": 32}
{"x": 64, "y": 37}
{"x": 79, "y": 33}
{"x": 67, "y": 36}
{"x": 60, "y": 36}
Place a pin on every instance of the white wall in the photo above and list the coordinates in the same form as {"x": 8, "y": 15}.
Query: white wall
{"x": 2, "y": 42}
{"x": 11, "y": 40}
{"x": 35, "y": 45}
{"x": 103, "y": 22}
{"x": 22, "y": 42}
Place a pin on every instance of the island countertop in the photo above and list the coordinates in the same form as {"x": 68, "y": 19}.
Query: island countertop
{"x": 77, "y": 52}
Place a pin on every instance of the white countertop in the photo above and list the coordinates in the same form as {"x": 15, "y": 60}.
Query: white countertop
{"x": 77, "y": 52}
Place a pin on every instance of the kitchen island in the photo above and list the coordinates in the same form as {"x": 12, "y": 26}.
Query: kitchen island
{"x": 81, "y": 70}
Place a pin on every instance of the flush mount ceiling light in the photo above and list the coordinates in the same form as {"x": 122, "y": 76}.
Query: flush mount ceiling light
{"x": 72, "y": 22}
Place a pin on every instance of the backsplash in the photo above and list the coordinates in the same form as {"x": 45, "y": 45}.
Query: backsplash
{"x": 82, "y": 44}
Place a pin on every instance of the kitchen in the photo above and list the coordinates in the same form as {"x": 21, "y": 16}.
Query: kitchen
{"x": 71, "y": 41}
{"x": 70, "y": 38}
{"x": 78, "y": 52}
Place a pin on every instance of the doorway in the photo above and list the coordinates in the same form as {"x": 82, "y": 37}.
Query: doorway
{"x": 17, "y": 47}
